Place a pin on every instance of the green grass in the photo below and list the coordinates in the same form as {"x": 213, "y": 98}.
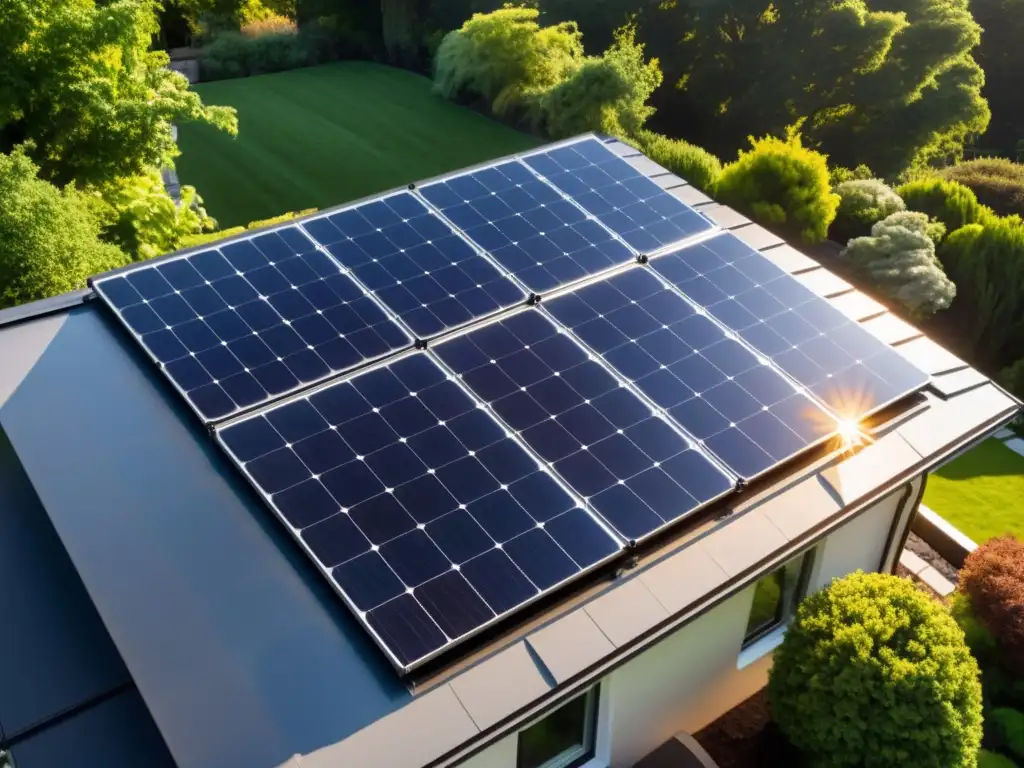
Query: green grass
{"x": 321, "y": 136}
{"x": 981, "y": 492}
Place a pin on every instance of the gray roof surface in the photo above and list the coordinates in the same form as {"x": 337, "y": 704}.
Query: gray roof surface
{"x": 242, "y": 653}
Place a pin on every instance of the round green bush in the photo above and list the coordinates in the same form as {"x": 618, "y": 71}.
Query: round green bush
{"x": 862, "y": 203}
{"x": 49, "y": 238}
{"x": 998, "y": 183}
{"x": 947, "y": 201}
{"x": 690, "y": 162}
{"x": 874, "y": 674}
{"x": 782, "y": 184}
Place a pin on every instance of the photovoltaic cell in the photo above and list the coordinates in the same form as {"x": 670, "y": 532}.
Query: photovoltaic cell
{"x": 847, "y": 368}
{"x": 427, "y": 516}
{"x": 238, "y": 325}
{"x": 714, "y": 387}
{"x": 634, "y": 469}
{"x": 526, "y": 225}
{"x": 414, "y": 263}
{"x": 623, "y": 199}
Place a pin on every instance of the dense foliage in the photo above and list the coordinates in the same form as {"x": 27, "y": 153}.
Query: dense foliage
{"x": 998, "y": 183}
{"x": 689, "y": 162}
{"x": 873, "y": 674}
{"x": 1001, "y": 55}
{"x": 988, "y": 759}
{"x": 839, "y": 174}
{"x": 886, "y": 84}
{"x": 539, "y": 76}
{"x": 947, "y": 201}
{"x": 1012, "y": 378}
{"x": 781, "y": 184}
{"x": 49, "y": 238}
{"x": 141, "y": 218}
{"x": 863, "y": 202}
{"x": 1008, "y": 724}
{"x": 77, "y": 80}
{"x": 898, "y": 258}
{"x": 987, "y": 265}
{"x": 992, "y": 578}
{"x": 235, "y": 54}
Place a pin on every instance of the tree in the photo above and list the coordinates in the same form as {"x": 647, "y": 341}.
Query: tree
{"x": 987, "y": 265}
{"x": 888, "y": 83}
{"x": 899, "y": 259}
{"x": 79, "y": 83}
{"x": 1001, "y": 55}
{"x": 872, "y": 674}
{"x": 781, "y": 184}
{"x": 49, "y": 238}
{"x": 403, "y": 34}
{"x": 992, "y": 578}
{"x": 862, "y": 202}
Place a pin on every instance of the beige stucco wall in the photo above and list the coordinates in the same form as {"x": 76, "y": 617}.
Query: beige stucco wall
{"x": 691, "y": 677}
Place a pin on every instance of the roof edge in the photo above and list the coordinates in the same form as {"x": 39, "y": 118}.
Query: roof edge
{"x": 43, "y": 307}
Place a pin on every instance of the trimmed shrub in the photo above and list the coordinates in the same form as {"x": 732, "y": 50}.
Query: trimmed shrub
{"x": 987, "y": 265}
{"x": 49, "y": 238}
{"x": 281, "y": 219}
{"x": 781, "y": 184}
{"x": 873, "y": 674}
{"x": 191, "y": 241}
{"x": 993, "y": 579}
{"x": 899, "y": 259}
{"x": 506, "y": 57}
{"x": 839, "y": 174}
{"x": 233, "y": 54}
{"x": 862, "y": 203}
{"x": 1009, "y": 727}
{"x": 998, "y": 183}
{"x": 947, "y": 201}
{"x": 269, "y": 25}
{"x": 690, "y": 162}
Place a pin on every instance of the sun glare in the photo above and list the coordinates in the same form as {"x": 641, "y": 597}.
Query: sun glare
{"x": 850, "y": 433}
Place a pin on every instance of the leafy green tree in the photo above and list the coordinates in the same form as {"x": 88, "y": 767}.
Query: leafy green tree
{"x": 947, "y": 201}
{"x": 863, "y": 202}
{"x": 49, "y": 238}
{"x": 1001, "y": 55}
{"x": 781, "y": 184}
{"x": 899, "y": 259}
{"x": 888, "y": 83}
{"x": 78, "y": 81}
{"x": 873, "y": 674}
{"x": 997, "y": 182}
{"x": 142, "y": 219}
{"x": 987, "y": 265}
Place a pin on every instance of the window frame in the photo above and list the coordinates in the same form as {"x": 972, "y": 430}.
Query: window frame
{"x": 586, "y": 751}
{"x": 791, "y": 592}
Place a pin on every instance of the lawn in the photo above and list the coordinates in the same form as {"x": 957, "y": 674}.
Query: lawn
{"x": 317, "y": 137}
{"x": 981, "y": 492}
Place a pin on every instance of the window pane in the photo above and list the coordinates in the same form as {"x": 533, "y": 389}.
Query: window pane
{"x": 767, "y": 602}
{"x": 564, "y": 738}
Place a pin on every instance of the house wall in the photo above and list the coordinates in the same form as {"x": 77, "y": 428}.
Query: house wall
{"x": 691, "y": 677}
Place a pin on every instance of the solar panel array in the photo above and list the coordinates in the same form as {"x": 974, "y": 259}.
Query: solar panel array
{"x": 440, "y": 489}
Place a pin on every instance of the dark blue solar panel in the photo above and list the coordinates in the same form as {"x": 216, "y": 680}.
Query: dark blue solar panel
{"x": 634, "y": 469}
{"x": 527, "y": 226}
{"x": 237, "y": 325}
{"x": 415, "y": 263}
{"x": 719, "y": 391}
{"x": 623, "y": 199}
{"x": 851, "y": 371}
{"x": 429, "y": 518}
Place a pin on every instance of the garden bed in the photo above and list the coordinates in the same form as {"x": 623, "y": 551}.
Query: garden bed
{"x": 746, "y": 737}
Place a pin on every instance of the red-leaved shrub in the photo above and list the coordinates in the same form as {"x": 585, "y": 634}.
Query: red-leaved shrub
{"x": 993, "y": 579}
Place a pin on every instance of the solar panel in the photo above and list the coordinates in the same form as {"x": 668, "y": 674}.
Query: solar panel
{"x": 526, "y": 225}
{"x": 749, "y": 415}
{"x": 237, "y": 325}
{"x": 822, "y": 349}
{"x": 414, "y": 263}
{"x": 426, "y": 516}
{"x": 632, "y": 467}
{"x": 623, "y": 199}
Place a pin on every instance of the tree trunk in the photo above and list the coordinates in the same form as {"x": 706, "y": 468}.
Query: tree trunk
{"x": 402, "y": 38}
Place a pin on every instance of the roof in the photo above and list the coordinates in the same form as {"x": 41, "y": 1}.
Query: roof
{"x": 241, "y": 652}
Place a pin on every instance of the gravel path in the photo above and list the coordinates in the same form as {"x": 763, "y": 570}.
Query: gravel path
{"x": 930, "y": 556}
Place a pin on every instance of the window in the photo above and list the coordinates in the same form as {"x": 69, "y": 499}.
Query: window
{"x": 563, "y": 739}
{"x": 776, "y": 596}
